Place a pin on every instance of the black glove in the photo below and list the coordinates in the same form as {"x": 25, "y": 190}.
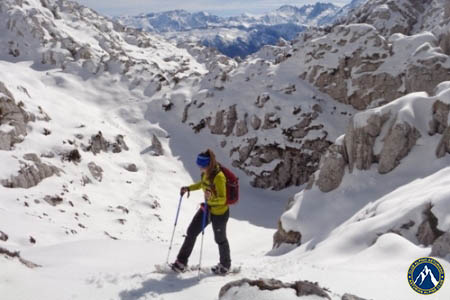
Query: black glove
{"x": 184, "y": 190}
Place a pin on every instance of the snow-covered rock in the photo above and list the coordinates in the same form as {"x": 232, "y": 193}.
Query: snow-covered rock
{"x": 356, "y": 65}
{"x": 276, "y": 289}
{"x": 389, "y": 137}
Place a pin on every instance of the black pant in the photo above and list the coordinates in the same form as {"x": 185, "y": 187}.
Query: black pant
{"x": 219, "y": 224}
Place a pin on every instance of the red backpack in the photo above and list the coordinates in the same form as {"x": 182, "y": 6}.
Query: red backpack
{"x": 232, "y": 186}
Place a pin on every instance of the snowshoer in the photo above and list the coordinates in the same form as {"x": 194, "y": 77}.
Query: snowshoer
{"x": 213, "y": 184}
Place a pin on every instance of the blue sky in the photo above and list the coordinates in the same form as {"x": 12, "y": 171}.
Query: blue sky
{"x": 217, "y": 7}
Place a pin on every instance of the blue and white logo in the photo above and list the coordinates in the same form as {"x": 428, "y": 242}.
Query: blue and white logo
{"x": 426, "y": 276}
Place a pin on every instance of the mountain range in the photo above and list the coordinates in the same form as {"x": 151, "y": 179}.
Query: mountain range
{"x": 242, "y": 35}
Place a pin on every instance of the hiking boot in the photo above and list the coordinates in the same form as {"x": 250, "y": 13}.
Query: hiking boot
{"x": 178, "y": 267}
{"x": 220, "y": 269}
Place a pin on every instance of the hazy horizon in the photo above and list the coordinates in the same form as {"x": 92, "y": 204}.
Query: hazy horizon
{"x": 230, "y": 8}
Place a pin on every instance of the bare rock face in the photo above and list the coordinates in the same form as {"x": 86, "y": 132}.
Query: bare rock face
{"x": 427, "y": 75}
{"x": 12, "y": 115}
{"x": 96, "y": 171}
{"x": 332, "y": 168}
{"x": 440, "y": 117}
{"x": 359, "y": 141}
{"x": 31, "y": 174}
{"x": 397, "y": 144}
{"x": 302, "y": 288}
{"x": 441, "y": 246}
{"x": 427, "y": 233}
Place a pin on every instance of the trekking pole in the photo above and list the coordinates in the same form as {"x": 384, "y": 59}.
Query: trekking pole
{"x": 205, "y": 212}
{"x": 174, "y": 226}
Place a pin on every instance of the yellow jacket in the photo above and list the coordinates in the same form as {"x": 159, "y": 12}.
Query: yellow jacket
{"x": 218, "y": 200}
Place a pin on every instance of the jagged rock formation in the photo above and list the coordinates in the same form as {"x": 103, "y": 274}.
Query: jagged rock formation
{"x": 32, "y": 172}
{"x": 98, "y": 144}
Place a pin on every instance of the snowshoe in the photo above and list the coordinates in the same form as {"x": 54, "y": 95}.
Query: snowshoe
{"x": 219, "y": 269}
{"x": 178, "y": 267}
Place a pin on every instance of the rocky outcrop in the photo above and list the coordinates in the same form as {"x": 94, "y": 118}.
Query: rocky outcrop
{"x": 440, "y": 117}
{"x": 397, "y": 144}
{"x": 282, "y": 237}
{"x": 291, "y": 166}
{"x": 390, "y": 17}
{"x": 276, "y": 165}
{"x": 427, "y": 231}
{"x": 156, "y": 147}
{"x": 13, "y": 120}
{"x": 439, "y": 125}
{"x": 332, "y": 168}
{"x": 354, "y": 63}
{"x": 360, "y": 140}
{"x": 32, "y": 172}
{"x": 98, "y": 144}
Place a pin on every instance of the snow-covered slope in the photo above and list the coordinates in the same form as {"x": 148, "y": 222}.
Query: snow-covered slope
{"x": 100, "y": 125}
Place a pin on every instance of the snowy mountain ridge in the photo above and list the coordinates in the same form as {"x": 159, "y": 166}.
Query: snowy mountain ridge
{"x": 181, "y": 20}
{"x": 234, "y": 36}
